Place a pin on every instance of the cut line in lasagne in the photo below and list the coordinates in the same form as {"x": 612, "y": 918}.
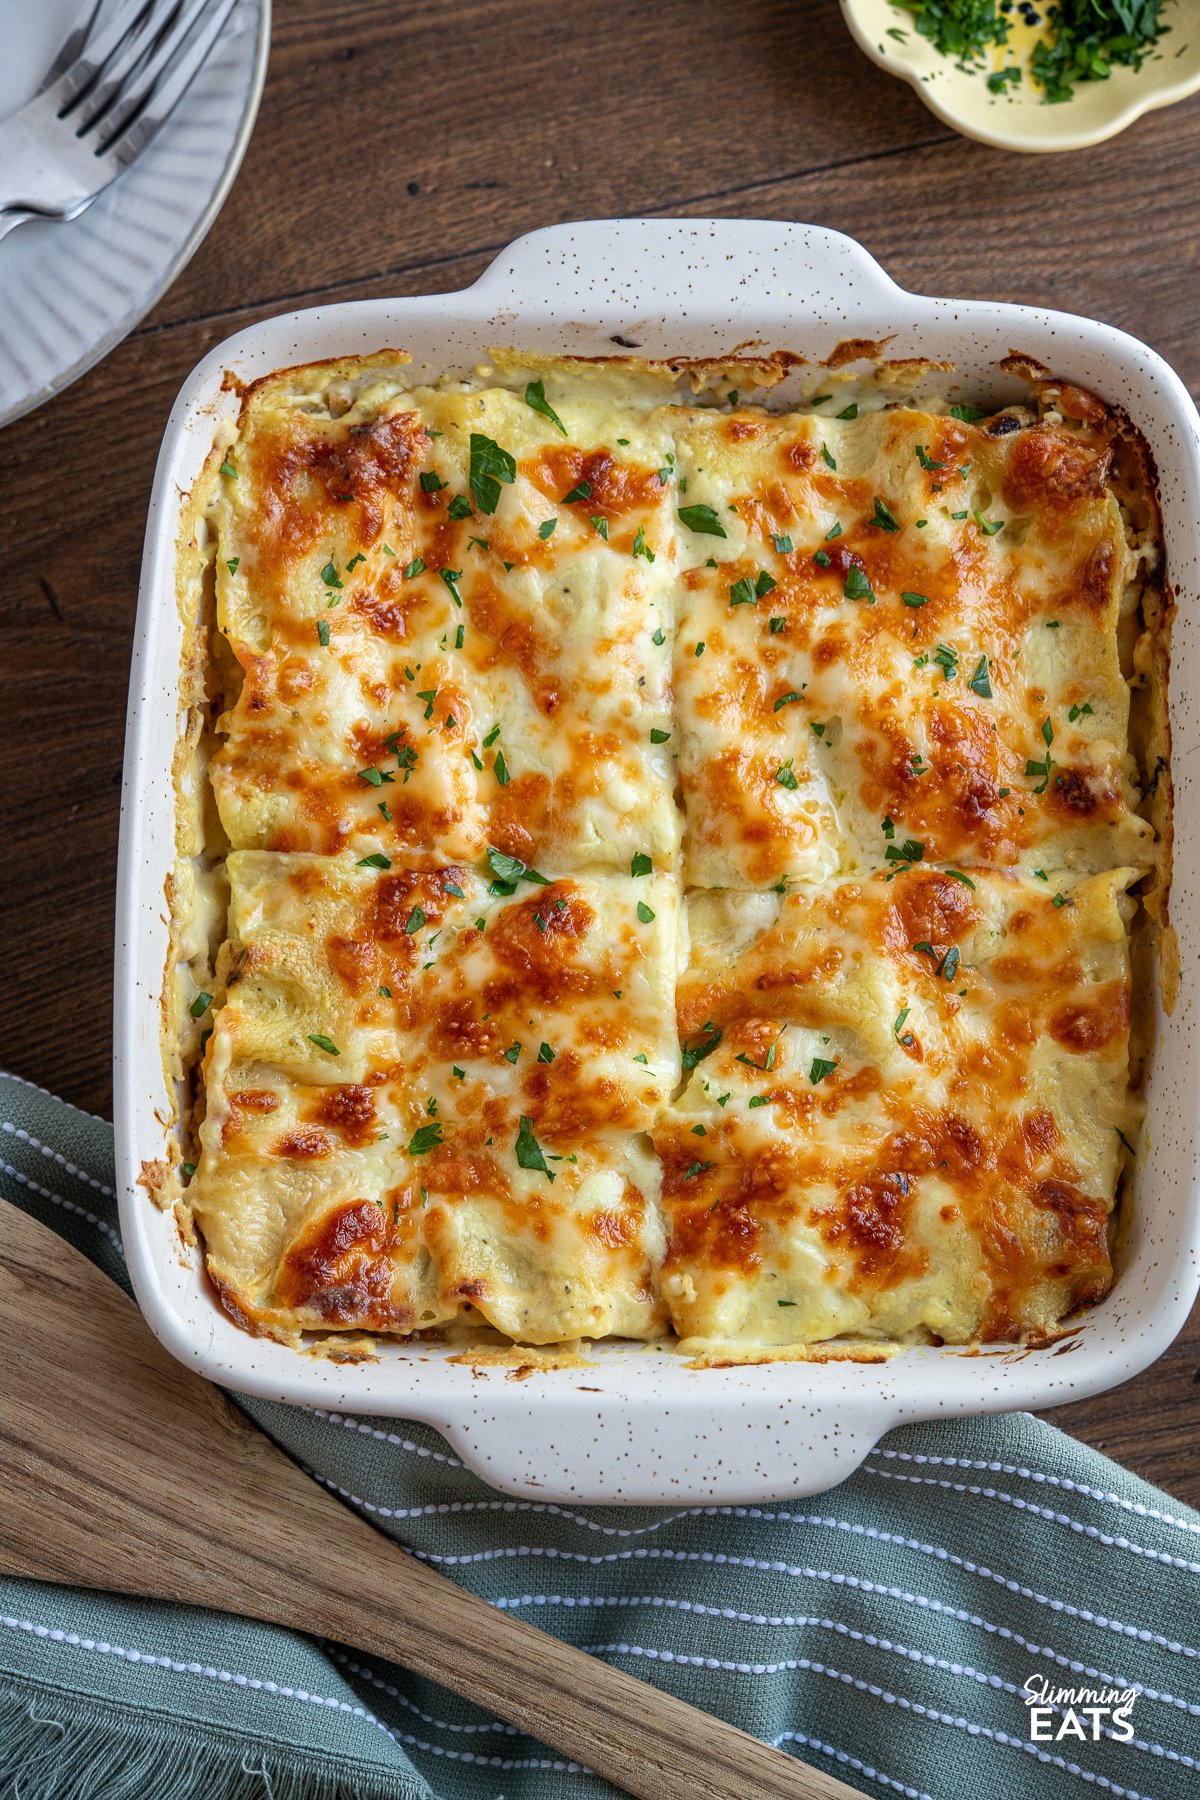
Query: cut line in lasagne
{"x": 659, "y": 867}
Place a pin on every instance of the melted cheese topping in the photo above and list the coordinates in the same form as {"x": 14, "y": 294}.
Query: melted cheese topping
{"x": 904, "y": 1107}
{"x": 904, "y": 614}
{"x": 551, "y": 741}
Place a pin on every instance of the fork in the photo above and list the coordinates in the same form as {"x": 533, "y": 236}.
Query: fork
{"x": 106, "y": 97}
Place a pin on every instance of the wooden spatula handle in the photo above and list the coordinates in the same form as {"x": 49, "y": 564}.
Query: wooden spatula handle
{"x": 121, "y": 1470}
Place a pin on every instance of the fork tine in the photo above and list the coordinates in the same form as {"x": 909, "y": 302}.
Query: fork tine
{"x": 98, "y": 105}
{"x": 189, "y": 52}
{"x": 82, "y": 74}
{"x": 76, "y": 40}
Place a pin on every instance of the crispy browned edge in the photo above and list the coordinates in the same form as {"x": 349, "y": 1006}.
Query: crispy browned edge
{"x": 1155, "y": 946}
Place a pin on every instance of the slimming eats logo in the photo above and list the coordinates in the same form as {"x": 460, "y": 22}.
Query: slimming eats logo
{"x": 1086, "y": 1713}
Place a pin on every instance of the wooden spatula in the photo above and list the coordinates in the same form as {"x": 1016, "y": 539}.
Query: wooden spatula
{"x": 120, "y": 1470}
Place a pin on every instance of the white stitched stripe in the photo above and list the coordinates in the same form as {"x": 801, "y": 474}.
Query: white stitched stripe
{"x": 387, "y": 1687}
{"x": 71, "y": 1168}
{"x": 1041, "y": 1475}
{"x": 849, "y": 1762}
{"x": 35, "y": 1187}
{"x": 381, "y": 1437}
{"x": 665, "y": 1602}
{"x": 1043, "y": 1512}
{"x": 442, "y": 1507}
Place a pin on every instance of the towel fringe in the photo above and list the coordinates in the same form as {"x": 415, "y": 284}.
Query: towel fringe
{"x": 56, "y": 1746}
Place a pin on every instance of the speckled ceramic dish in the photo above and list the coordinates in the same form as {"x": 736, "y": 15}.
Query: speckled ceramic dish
{"x": 638, "y": 1424}
{"x": 1020, "y": 118}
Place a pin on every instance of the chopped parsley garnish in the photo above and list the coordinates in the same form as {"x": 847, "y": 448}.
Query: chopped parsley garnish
{"x": 385, "y": 810}
{"x": 512, "y": 1053}
{"x": 822, "y": 557}
{"x": 888, "y": 829}
{"x": 431, "y": 481}
{"x": 491, "y": 737}
{"x": 700, "y": 648}
{"x": 911, "y": 599}
{"x": 761, "y": 1100}
{"x": 500, "y": 768}
{"x": 599, "y": 523}
{"x": 200, "y": 1005}
{"x": 459, "y": 636}
{"x": 232, "y": 564}
{"x": 227, "y": 468}
{"x": 376, "y": 860}
{"x": 697, "y": 1168}
{"x": 835, "y": 531}
{"x": 926, "y": 461}
{"x": 424, "y": 1139}
{"x": 373, "y": 777}
{"x": 946, "y": 657}
{"x": 1042, "y": 768}
{"x": 641, "y": 547}
{"x": 786, "y": 700}
{"x": 452, "y": 887}
{"x": 898, "y": 1027}
{"x": 849, "y": 412}
{"x": 450, "y": 577}
{"x": 415, "y": 920}
{"x": 825, "y": 456}
{"x": 1061, "y": 900}
{"x": 415, "y": 567}
{"x": 910, "y": 851}
{"x": 1079, "y": 712}
{"x": 640, "y": 863}
{"x": 323, "y": 1043}
{"x": 545, "y": 1054}
{"x": 957, "y": 875}
{"x": 459, "y": 508}
{"x": 786, "y": 777}
{"x": 323, "y": 633}
{"x": 967, "y": 415}
{"x": 857, "y": 585}
{"x": 428, "y": 695}
{"x": 644, "y": 913}
{"x": 490, "y": 467}
{"x": 819, "y": 1069}
{"x": 658, "y": 637}
{"x": 657, "y": 736}
{"x": 529, "y": 1152}
{"x": 783, "y": 544}
{"x": 329, "y": 575}
{"x": 581, "y": 491}
{"x": 745, "y": 592}
{"x": 535, "y": 396}
{"x": 979, "y": 682}
{"x": 768, "y": 1063}
{"x": 778, "y": 623}
{"x": 691, "y": 1054}
{"x": 883, "y": 518}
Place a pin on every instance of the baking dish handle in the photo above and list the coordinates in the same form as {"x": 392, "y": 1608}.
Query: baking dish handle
{"x": 741, "y": 1442}
{"x": 714, "y": 271}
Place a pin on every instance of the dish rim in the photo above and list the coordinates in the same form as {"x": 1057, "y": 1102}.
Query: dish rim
{"x": 749, "y": 1431}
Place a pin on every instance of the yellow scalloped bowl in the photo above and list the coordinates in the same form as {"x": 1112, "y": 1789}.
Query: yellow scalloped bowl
{"x": 1020, "y": 119}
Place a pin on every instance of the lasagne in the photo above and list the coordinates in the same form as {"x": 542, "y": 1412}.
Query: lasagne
{"x": 657, "y": 866}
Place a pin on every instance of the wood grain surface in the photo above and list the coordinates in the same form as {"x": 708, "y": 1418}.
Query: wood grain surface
{"x": 398, "y": 147}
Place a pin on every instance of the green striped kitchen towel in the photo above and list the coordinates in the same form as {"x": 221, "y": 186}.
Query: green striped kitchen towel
{"x": 897, "y": 1630}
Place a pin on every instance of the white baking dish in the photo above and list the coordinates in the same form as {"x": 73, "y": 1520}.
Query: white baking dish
{"x": 639, "y": 1425}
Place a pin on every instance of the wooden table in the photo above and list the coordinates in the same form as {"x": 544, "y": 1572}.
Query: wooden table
{"x": 399, "y": 146}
